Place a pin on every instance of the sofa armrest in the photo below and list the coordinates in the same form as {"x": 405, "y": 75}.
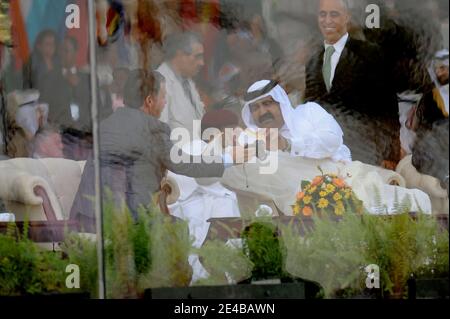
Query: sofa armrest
{"x": 46, "y": 203}
{"x": 413, "y": 178}
{"x": 21, "y": 187}
{"x": 169, "y": 194}
{"x": 172, "y": 189}
{"x": 18, "y": 186}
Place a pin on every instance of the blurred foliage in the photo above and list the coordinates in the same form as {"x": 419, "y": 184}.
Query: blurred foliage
{"x": 81, "y": 250}
{"x": 25, "y": 269}
{"x": 149, "y": 252}
{"x": 335, "y": 254}
{"x": 262, "y": 246}
{"x": 169, "y": 251}
{"x": 153, "y": 251}
{"x": 225, "y": 263}
{"x": 260, "y": 256}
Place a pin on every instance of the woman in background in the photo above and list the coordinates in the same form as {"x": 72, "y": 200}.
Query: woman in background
{"x": 43, "y": 60}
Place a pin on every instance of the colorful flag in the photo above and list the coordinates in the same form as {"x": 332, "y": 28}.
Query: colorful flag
{"x": 46, "y": 14}
{"x": 19, "y": 34}
{"x": 81, "y": 34}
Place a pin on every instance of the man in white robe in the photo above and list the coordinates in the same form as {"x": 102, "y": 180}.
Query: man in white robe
{"x": 309, "y": 138}
{"x": 306, "y": 131}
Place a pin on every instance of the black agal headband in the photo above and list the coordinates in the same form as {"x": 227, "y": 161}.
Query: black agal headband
{"x": 250, "y": 96}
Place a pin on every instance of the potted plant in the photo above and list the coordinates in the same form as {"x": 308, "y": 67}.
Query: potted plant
{"x": 261, "y": 244}
{"x": 336, "y": 254}
{"x": 430, "y": 279}
{"x": 151, "y": 251}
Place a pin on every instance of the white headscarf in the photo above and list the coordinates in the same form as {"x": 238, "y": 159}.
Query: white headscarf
{"x": 279, "y": 95}
{"x": 27, "y": 118}
{"x": 26, "y": 109}
{"x": 441, "y": 56}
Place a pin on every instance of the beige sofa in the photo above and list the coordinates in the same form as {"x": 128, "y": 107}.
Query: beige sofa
{"x": 45, "y": 189}
{"x": 39, "y": 189}
{"x": 42, "y": 191}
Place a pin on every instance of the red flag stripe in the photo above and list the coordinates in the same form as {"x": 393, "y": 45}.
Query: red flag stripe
{"x": 20, "y": 40}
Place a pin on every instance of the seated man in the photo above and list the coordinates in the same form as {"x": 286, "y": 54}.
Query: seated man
{"x": 307, "y": 130}
{"x": 309, "y": 138}
{"x": 25, "y": 117}
{"x": 47, "y": 143}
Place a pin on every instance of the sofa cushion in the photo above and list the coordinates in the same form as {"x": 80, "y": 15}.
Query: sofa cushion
{"x": 60, "y": 179}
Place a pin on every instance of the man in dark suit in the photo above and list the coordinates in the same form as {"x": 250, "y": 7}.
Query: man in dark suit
{"x": 135, "y": 151}
{"x": 347, "y": 77}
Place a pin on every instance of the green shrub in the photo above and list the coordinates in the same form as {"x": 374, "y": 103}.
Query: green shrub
{"x": 262, "y": 246}
{"x": 224, "y": 263}
{"x": 149, "y": 252}
{"x": 82, "y": 251}
{"x": 27, "y": 270}
{"x": 335, "y": 254}
{"x": 171, "y": 246}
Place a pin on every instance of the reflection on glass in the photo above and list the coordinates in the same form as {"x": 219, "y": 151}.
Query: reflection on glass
{"x": 239, "y": 142}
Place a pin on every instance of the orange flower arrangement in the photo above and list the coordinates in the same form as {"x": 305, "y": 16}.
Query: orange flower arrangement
{"x": 327, "y": 193}
{"x": 307, "y": 211}
{"x": 317, "y": 181}
{"x": 300, "y": 195}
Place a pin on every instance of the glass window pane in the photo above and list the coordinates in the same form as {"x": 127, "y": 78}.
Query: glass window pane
{"x": 296, "y": 143}
{"x": 46, "y": 139}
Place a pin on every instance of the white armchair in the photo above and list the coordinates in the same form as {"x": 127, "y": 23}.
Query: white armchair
{"x": 42, "y": 191}
{"x": 39, "y": 189}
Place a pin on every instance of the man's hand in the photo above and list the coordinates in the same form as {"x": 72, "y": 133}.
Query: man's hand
{"x": 275, "y": 142}
{"x": 282, "y": 143}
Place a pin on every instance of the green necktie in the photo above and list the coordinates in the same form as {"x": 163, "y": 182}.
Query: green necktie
{"x": 327, "y": 66}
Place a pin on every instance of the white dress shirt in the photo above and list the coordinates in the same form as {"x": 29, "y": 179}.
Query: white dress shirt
{"x": 338, "y": 48}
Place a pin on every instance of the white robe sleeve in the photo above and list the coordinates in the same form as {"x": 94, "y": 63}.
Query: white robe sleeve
{"x": 317, "y": 134}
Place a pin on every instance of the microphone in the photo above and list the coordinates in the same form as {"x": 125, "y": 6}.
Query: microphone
{"x": 261, "y": 152}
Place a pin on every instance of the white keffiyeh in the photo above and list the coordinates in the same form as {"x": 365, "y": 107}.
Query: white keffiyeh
{"x": 312, "y": 131}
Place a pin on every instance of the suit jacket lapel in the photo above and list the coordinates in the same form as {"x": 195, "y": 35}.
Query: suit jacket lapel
{"x": 340, "y": 74}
